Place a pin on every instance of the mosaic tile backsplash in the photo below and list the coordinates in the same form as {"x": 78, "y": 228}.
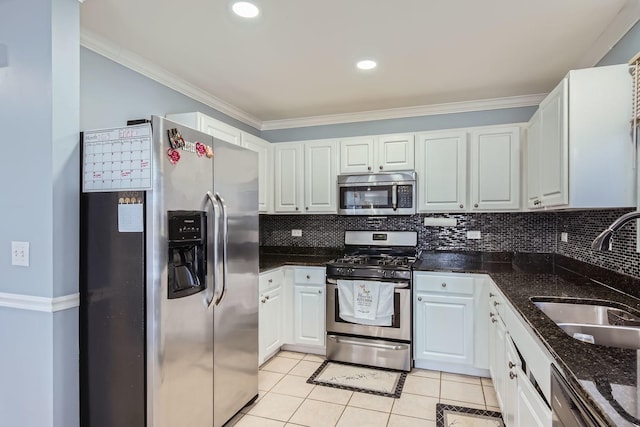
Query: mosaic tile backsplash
{"x": 501, "y": 232}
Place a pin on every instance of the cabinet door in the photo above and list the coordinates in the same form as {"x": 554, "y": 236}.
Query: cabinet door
{"x": 510, "y": 397}
{"x": 497, "y": 356}
{"x": 265, "y": 172}
{"x": 441, "y": 166}
{"x": 554, "y": 146}
{"x": 309, "y": 312}
{"x": 219, "y": 130}
{"x": 320, "y": 176}
{"x": 533, "y": 162}
{"x": 288, "y": 177}
{"x": 395, "y": 153}
{"x": 531, "y": 409}
{"x": 495, "y": 169}
{"x": 270, "y": 323}
{"x": 356, "y": 155}
{"x": 444, "y": 328}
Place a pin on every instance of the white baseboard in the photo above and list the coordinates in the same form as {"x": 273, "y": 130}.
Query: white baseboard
{"x": 451, "y": 368}
{"x": 35, "y": 303}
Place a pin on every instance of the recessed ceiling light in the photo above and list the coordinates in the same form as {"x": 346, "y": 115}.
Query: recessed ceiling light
{"x": 366, "y": 64}
{"x": 245, "y": 9}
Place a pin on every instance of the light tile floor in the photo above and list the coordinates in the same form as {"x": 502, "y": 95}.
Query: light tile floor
{"x": 285, "y": 398}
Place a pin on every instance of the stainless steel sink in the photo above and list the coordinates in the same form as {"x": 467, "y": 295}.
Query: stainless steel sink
{"x": 593, "y": 323}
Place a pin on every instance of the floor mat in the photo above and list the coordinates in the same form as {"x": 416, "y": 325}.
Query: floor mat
{"x": 365, "y": 379}
{"x": 458, "y": 416}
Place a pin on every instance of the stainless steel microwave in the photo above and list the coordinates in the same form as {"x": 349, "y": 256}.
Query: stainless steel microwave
{"x": 377, "y": 194}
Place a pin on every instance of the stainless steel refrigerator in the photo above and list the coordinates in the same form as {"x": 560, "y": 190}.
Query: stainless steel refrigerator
{"x": 168, "y": 279}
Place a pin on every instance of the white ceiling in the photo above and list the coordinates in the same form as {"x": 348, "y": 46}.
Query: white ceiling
{"x": 297, "y": 59}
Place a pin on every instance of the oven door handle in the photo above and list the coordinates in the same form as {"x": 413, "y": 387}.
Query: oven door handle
{"x": 396, "y": 285}
{"x": 394, "y": 196}
{"x": 367, "y": 344}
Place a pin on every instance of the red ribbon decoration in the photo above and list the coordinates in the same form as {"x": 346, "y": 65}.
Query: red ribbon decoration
{"x": 201, "y": 150}
{"x": 174, "y": 155}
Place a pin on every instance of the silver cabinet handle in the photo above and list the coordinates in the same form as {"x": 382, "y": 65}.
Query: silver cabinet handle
{"x": 512, "y": 375}
{"x": 380, "y": 167}
{"x": 444, "y": 285}
{"x": 368, "y": 168}
{"x": 493, "y": 320}
{"x": 266, "y": 297}
{"x": 491, "y": 315}
{"x": 297, "y": 208}
{"x": 419, "y": 298}
{"x": 475, "y": 205}
{"x": 496, "y": 303}
{"x": 511, "y": 365}
{"x": 263, "y": 301}
{"x": 320, "y": 291}
{"x": 270, "y": 280}
{"x": 461, "y": 206}
{"x": 306, "y": 208}
{"x": 491, "y": 295}
{"x": 308, "y": 277}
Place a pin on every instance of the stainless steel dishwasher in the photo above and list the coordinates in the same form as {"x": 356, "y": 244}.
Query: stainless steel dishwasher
{"x": 568, "y": 409}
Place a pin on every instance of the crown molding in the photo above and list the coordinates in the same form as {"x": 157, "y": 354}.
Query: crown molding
{"x": 626, "y": 18}
{"x": 398, "y": 113}
{"x": 122, "y": 56}
{"x": 35, "y": 303}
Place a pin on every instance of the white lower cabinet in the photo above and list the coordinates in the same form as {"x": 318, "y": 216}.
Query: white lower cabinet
{"x": 270, "y": 313}
{"x": 446, "y": 325}
{"x": 291, "y": 303}
{"x": 309, "y": 312}
{"x": 522, "y": 404}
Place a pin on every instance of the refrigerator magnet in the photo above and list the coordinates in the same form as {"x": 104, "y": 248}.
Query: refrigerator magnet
{"x": 174, "y": 155}
{"x": 209, "y": 151}
{"x": 175, "y": 139}
{"x": 201, "y": 150}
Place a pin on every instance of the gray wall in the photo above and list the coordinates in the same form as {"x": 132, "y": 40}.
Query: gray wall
{"x": 39, "y": 113}
{"x": 111, "y": 94}
{"x": 625, "y": 49}
{"x": 409, "y": 124}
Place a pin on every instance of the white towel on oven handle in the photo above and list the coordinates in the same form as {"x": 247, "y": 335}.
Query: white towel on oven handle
{"x": 384, "y": 310}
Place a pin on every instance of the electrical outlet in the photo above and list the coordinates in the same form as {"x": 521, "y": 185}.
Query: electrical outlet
{"x": 20, "y": 253}
{"x": 564, "y": 237}
{"x": 474, "y": 234}
{"x": 296, "y": 233}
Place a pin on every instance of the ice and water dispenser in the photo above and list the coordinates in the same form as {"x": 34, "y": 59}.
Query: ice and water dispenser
{"x": 187, "y": 253}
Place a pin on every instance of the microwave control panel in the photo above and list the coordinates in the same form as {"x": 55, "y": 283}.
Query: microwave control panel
{"x": 405, "y": 196}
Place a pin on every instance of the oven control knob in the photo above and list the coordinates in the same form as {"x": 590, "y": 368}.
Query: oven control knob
{"x": 350, "y": 270}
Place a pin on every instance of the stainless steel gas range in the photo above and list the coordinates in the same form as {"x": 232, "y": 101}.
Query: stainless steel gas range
{"x": 384, "y": 258}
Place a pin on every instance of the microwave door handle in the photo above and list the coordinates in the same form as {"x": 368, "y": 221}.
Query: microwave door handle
{"x": 394, "y": 196}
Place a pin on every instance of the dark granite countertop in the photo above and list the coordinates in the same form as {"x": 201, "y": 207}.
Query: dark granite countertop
{"x": 607, "y": 377}
{"x": 274, "y": 257}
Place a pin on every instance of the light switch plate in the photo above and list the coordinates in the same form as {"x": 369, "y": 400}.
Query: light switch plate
{"x": 20, "y": 254}
{"x": 564, "y": 237}
{"x": 474, "y": 234}
{"x": 296, "y": 233}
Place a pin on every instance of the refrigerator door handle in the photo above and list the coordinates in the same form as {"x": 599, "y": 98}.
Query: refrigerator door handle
{"x": 216, "y": 231}
{"x": 225, "y": 241}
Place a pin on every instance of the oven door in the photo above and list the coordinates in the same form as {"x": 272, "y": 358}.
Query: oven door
{"x": 400, "y": 328}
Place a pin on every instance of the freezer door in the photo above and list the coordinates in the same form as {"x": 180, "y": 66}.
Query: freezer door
{"x": 236, "y": 298}
{"x": 179, "y": 329}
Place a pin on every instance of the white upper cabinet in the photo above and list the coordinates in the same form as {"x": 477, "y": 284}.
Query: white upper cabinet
{"x": 579, "y": 144}
{"x": 306, "y": 177}
{"x": 265, "y": 170}
{"x": 441, "y": 163}
{"x": 395, "y": 152}
{"x": 208, "y": 125}
{"x": 320, "y": 176}
{"x": 495, "y": 169}
{"x": 356, "y": 155}
{"x": 289, "y": 159}
{"x": 384, "y": 153}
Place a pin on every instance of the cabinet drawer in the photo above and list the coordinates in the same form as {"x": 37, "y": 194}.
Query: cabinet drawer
{"x": 270, "y": 279}
{"x": 310, "y": 275}
{"x": 444, "y": 284}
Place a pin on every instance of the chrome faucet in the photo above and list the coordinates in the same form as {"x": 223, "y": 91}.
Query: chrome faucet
{"x": 604, "y": 239}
